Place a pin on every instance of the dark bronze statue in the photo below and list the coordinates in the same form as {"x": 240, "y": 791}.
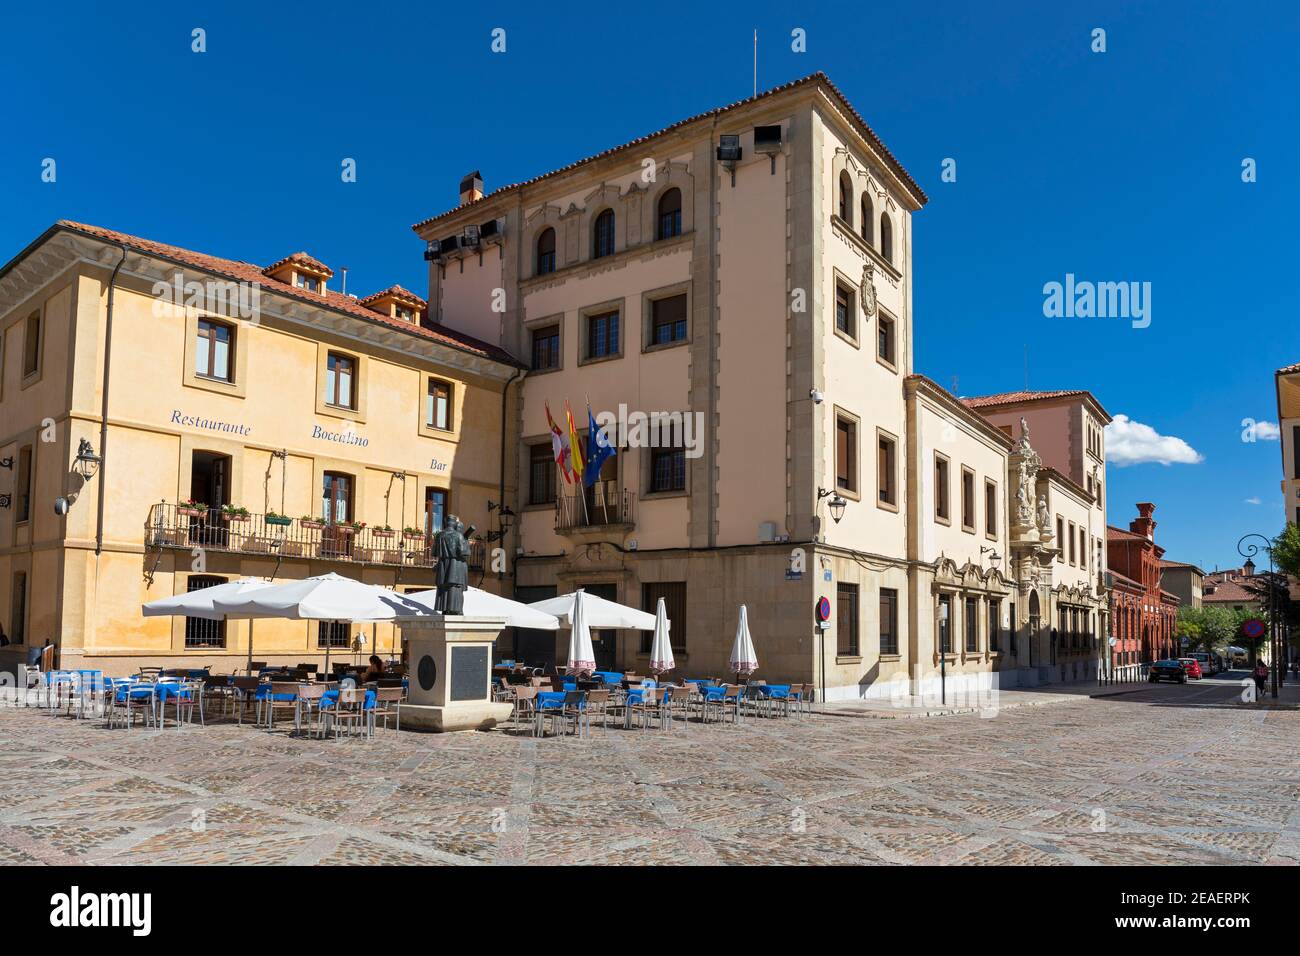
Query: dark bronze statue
{"x": 452, "y": 544}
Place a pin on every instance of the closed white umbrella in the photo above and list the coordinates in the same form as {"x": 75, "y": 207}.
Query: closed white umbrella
{"x": 743, "y": 658}
{"x": 480, "y": 603}
{"x": 661, "y": 650}
{"x": 200, "y": 603}
{"x": 600, "y": 613}
{"x": 582, "y": 657}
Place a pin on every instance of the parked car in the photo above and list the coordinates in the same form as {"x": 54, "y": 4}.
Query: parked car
{"x": 1209, "y": 663}
{"x": 1192, "y": 666}
{"x": 1167, "y": 670}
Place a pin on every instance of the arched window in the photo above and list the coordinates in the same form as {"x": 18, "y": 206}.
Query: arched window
{"x": 670, "y": 214}
{"x": 886, "y": 238}
{"x": 846, "y": 198}
{"x": 603, "y": 240}
{"x": 546, "y": 251}
{"x": 868, "y": 214}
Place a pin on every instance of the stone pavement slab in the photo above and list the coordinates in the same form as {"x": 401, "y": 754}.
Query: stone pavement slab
{"x": 1170, "y": 775}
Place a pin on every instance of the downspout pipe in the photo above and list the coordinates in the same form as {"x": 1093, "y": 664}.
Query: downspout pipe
{"x": 518, "y": 375}
{"x": 103, "y": 411}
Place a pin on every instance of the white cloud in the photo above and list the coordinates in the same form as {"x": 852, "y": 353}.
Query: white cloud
{"x": 1132, "y": 443}
{"x": 1254, "y": 500}
{"x": 1267, "y": 431}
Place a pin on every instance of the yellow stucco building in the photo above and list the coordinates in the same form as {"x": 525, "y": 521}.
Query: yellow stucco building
{"x": 205, "y": 419}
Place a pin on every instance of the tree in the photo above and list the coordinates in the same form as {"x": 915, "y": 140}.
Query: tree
{"x": 1286, "y": 550}
{"x": 1209, "y": 629}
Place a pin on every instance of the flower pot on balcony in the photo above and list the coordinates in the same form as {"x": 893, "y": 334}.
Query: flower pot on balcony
{"x": 189, "y": 512}
{"x": 381, "y": 533}
{"x": 279, "y": 520}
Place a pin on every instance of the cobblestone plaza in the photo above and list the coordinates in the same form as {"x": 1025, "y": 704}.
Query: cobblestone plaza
{"x": 1077, "y": 782}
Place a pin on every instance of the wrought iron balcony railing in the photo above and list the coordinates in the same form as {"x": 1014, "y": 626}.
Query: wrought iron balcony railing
{"x": 603, "y": 505}
{"x": 184, "y": 526}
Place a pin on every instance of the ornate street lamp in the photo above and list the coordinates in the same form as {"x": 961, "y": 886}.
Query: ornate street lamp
{"x": 837, "y": 503}
{"x": 1249, "y": 550}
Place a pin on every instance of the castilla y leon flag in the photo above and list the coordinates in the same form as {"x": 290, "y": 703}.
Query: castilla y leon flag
{"x": 575, "y": 443}
{"x": 559, "y": 446}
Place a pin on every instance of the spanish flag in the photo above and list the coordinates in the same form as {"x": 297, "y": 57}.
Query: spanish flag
{"x": 575, "y": 443}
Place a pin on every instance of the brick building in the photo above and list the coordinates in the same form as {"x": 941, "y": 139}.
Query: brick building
{"x": 1142, "y": 614}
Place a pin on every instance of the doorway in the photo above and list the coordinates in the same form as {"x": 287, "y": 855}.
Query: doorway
{"x": 534, "y": 647}
{"x": 1034, "y": 623}
{"x": 336, "y": 510}
{"x": 604, "y": 641}
{"x": 209, "y": 485}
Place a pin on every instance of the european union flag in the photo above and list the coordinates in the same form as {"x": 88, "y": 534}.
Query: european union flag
{"x": 598, "y": 449}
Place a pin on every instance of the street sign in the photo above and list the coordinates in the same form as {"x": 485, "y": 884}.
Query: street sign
{"x": 823, "y": 610}
{"x": 1253, "y": 627}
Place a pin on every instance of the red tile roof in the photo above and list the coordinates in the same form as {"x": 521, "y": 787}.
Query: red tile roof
{"x": 1227, "y": 592}
{"x": 819, "y": 77}
{"x": 1119, "y": 534}
{"x": 1016, "y": 398}
{"x": 395, "y": 292}
{"x": 1181, "y": 564}
{"x": 302, "y": 259}
{"x": 1288, "y": 369}
{"x": 248, "y": 272}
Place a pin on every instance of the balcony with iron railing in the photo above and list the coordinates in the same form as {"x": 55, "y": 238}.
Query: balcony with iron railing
{"x": 186, "y": 526}
{"x": 603, "y": 507}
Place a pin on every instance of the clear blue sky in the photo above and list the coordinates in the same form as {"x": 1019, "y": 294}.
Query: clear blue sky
{"x": 1117, "y": 166}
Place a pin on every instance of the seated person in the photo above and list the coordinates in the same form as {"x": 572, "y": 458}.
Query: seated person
{"x": 374, "y": 671}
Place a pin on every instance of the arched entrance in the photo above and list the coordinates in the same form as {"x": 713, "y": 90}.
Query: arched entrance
{"x": 1035, "y": 623}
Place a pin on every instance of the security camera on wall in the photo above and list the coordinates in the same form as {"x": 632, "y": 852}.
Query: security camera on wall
{"x": 816, "y": 396}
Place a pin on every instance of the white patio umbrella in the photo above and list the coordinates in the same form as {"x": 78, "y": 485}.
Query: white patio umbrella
{"x": 480, "y": 603}
{"x": 743, "y": 658}
{"x": 582, "y": 657}
{"x": 600, "y": 613}
{"x": 325, "y": 597}
{"x": 200, "y": 603}
{"x": 661, "y": 650}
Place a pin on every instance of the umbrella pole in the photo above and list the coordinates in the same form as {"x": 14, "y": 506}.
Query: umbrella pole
{"x": 250, "y": 645}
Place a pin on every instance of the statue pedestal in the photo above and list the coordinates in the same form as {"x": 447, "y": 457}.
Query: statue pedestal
{"x": 451, "y": 674}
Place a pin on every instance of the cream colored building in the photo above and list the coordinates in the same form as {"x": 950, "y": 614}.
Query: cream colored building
{"x": 750, "y": 269}
{"x": 1059, "y": 530}
{"x": 742, "y": 278}
{"x": 300, "y": 410}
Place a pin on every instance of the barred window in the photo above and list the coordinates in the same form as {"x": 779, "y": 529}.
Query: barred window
{"x": 201, "y": 632}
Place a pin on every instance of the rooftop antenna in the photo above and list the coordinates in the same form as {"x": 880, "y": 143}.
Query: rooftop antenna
{"x": 954, "y": 385}
{"x": 345, "y": 279}
{"x": 1026, "y": 366}
{"x": 756, "y": 61}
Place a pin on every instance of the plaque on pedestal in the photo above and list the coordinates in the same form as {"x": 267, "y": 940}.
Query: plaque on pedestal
{"x": 451, "y": 673}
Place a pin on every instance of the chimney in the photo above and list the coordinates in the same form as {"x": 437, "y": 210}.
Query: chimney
{"x": 1144, "y": 524}
{"x": 471, "y": 188}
